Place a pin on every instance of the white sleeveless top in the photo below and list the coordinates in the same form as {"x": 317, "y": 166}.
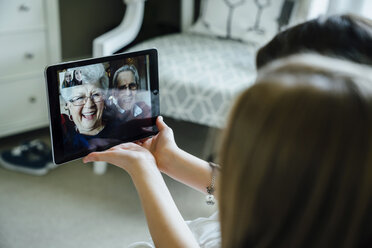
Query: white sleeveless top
{"x": 205, "y": 230}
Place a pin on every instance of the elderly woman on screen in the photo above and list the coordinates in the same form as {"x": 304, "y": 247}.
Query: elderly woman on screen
{"x": 85, "y": 104}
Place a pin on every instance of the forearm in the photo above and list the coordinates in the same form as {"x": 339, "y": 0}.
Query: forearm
{"x": 166, "y": 225}
{"x": 188, "y": 169}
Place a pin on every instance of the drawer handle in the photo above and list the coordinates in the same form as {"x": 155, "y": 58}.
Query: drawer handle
{"x": 24, "y": 8}
{"x": 29, "y": 56}
{"x": 32, "y": 99}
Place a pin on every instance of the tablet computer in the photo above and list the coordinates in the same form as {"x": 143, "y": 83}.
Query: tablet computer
{"x": 97, "y": 103}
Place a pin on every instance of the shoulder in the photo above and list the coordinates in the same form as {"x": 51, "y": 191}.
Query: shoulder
{"x": 144, "y": 107}
{"x": 67, "y": 124}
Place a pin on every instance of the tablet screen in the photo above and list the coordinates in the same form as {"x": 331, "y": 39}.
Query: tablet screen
{"x": 98, "y": 103}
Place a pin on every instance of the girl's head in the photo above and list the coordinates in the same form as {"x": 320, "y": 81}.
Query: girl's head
{"x": 297, "y": 157}
{"x": 341, "y": 36}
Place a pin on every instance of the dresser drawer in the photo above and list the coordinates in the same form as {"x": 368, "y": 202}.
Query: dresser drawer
{"x": 23, "y": 105}
{"x": 18, "y": 15}
{"x": 22, "y": 53}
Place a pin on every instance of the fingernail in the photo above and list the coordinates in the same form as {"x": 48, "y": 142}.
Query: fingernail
{"x": 160, "y": 118}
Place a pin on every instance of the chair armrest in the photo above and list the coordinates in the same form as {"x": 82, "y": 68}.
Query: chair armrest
{"x": 187, "y": 14}
{"x": 123, "y": 34}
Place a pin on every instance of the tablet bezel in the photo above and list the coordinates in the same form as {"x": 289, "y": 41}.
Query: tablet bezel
{"x": 53, "y": 92}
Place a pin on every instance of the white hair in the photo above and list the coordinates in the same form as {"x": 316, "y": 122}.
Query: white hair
{"x": 90, "y": 74}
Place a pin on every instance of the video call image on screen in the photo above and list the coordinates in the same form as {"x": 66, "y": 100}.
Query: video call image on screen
{"x": 104, "y": 103}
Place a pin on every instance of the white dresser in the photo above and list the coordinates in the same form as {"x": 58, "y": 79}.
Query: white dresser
{"x": 29, "y": 40}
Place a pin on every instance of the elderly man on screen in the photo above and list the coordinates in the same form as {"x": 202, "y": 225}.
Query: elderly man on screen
{"x": 126, "y": 86}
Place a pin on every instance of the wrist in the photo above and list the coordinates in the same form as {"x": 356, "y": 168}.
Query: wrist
{"x": 146, "y": 176}
{"x": 169, "y": 158}
{"x": 142, "y": 168}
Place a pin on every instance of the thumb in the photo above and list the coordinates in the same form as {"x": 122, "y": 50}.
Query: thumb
{"x": 161, "y": 124}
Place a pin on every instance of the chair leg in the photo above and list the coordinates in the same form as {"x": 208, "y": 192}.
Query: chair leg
{"x": 99, "y": 168}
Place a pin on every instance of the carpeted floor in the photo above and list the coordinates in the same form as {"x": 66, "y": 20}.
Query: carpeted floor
{"x": 72, "y": 207}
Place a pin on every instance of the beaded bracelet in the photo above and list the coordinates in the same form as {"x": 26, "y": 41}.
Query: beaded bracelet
{"x": 210, "y": 200}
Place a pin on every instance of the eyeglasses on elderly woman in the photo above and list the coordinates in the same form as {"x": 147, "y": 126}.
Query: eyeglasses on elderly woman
{"x": 82, "y": 100}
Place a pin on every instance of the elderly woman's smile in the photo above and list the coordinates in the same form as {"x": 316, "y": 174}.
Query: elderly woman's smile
{"x": 89, "y": 115}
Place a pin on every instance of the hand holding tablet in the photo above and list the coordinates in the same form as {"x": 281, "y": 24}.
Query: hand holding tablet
{"x": 98, "y": 103}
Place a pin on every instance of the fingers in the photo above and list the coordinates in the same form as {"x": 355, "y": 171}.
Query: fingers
{"x": 98, "y": 156}
{"x": 109, "y": 155}
{"x": 141, "y": 141}
{"x": 147, "y": 143}
{"x": 138, "y": 142}
{"x": 126, "y": 146}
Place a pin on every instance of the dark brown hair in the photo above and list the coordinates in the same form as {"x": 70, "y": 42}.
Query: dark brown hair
{"x": 341, "y": 36}
{"x": 297, "y": 158}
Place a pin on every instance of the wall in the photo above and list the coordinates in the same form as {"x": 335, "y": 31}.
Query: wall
{"x": 82, "y": 21}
